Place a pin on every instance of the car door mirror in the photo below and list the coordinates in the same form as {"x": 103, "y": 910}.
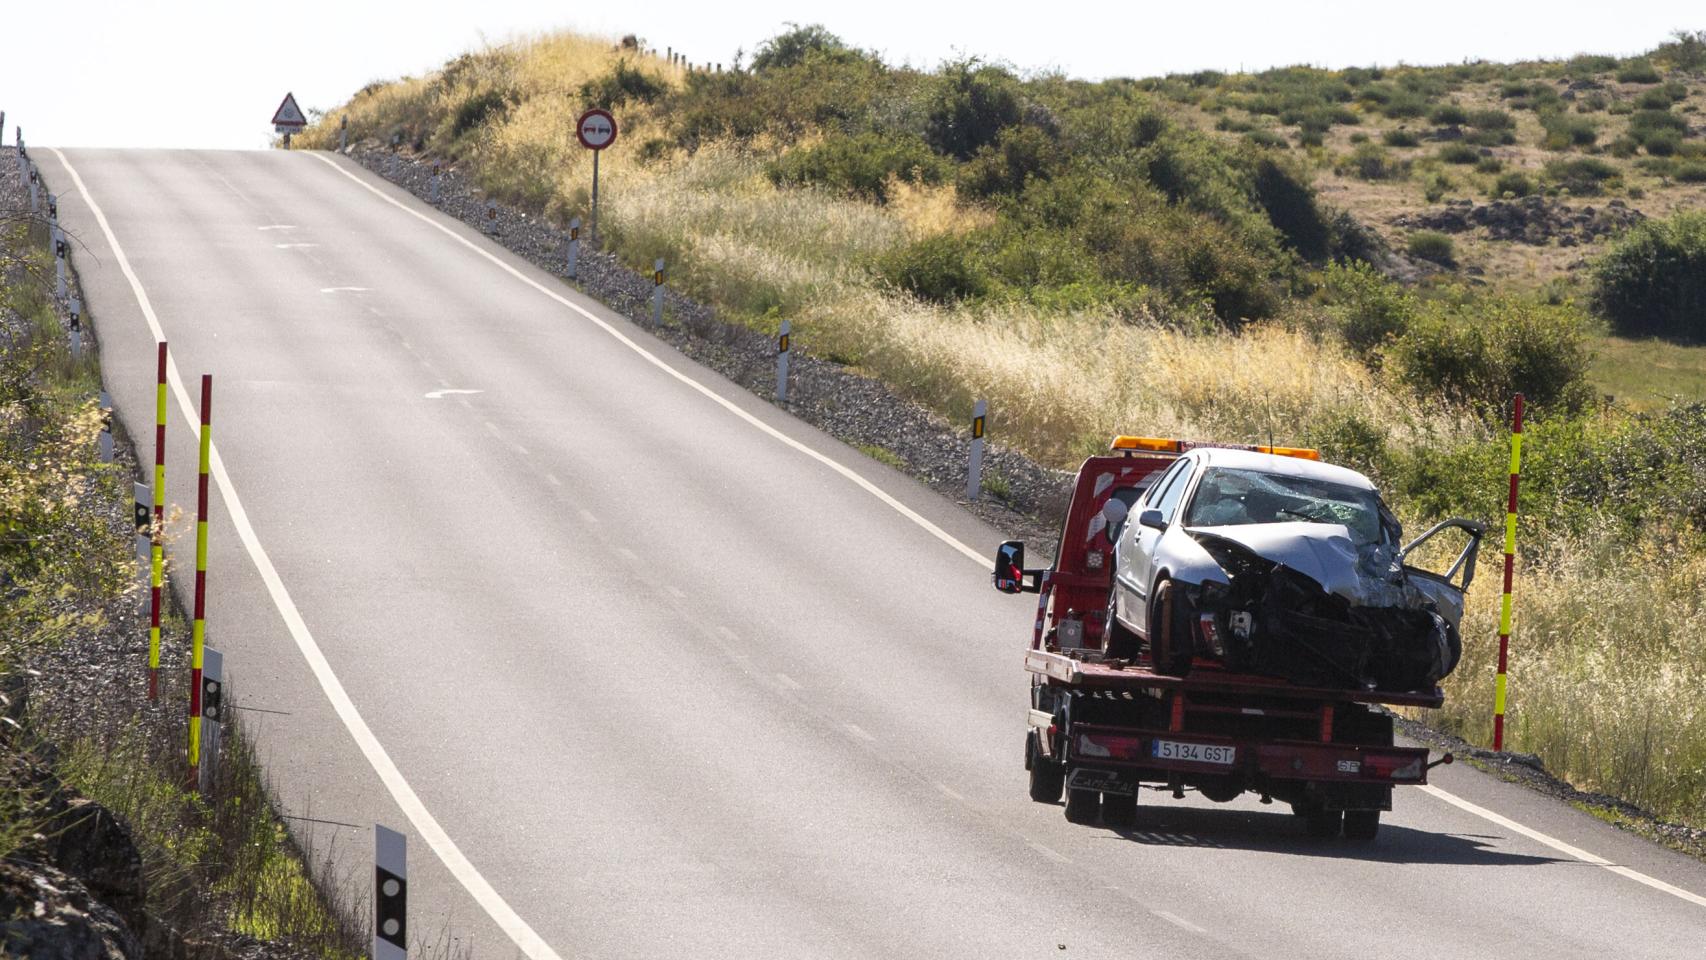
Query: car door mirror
{"x": 1010, "y": 566}
{"x": 1152, "y": 519}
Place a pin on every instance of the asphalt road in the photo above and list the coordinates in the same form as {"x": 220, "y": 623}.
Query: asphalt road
{"x": 641, "y": 675}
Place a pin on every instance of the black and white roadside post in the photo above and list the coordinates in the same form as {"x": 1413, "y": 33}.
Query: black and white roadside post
{"x": 142, "y": 515}
{"x": 574, "y": 247}
{"x": 343, "y": 134}
{"x": 435, "y": 191}
{"x": 396, "y": 140}
{"x": 212, "y": 715}
{"x": 390, "y": 895}
{"x": 596, "y": 130}
{"x": 974, "y": 471}
{"x": 59, "y": 286}
{"x": 657, "y": 293}
{"x": 76, "y": 315}
{"x": 782, "y": 338}
{"x": 492, "y": 217}
{"x": 53, "y": 213}
{"x": 35, "y": 197}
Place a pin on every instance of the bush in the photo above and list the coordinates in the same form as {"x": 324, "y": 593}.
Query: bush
{"x": 1370, "y": 161}
{"x": 1400, "y": 137}
{"x": 1284, "y": 191}
{"x": 1449, "y": 115}
{"x": 1582, "y": 176}
{"x": 1593, "y": 103}
{"x": 1691, "y": 171}
{"x": 1405, "y": 106}
{"x": 1655, "y": 98}
{"x": 1647, "y": 125}
{"x": 1638, "y": 71}
{"x": 1515, "y": 183}
{"x": 1489, "y": 165}
{"x": 1458, "y": 153}
{"x": 970, "y": 106}
{"x": 793, "y": 47}
{"x": 1478, "y": 351}
{"x": 1652, "y": 282}
{"x": 1019, "y": 153}
{"x": 1490, "y": 138}
{"x": 1367, "y": 310}
{"x": 859, "y": 165}
{"x": 477, "y": 109}
{"x": 1564, "y": 131}
{"x": 1431, "y": 245}
{"x": 1434, "y": 190}
{"x": 942, "y": 269}
{"x": 1267, "y": 138}
{"x": 1623, "y": 147}
{"x": 1663, "y": 143}
{"x": 1491, "y": 120}
{"x": 622, "y": 84}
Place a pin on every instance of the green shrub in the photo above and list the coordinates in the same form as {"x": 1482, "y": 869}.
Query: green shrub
{"x": 1019, "y": 153}
{"x": 1478, "y": 351}
{"x": 1584, "y": 66}
{"x": 476, "y": 110}
{"x": 1515, "y": 183}
{"x": 1489, "y": 165}
{"x": 1491, "y": 120}
{"x": 1405, "y": 106}
{"x": 1366, "y": 309}
{"x": 1646, "y": 125}
{"x": 1490, "y": 138}
{"x": 1652, "y": 282}
{"x": 1370, "y": 161}
{"x": 970, "y": 105}
{"x": 1691, "y": 171}
{"x": 1593, "y": 103}
{"x": 1434, "y": 190}
{"x": 1458, "y": 153}
{"x": 1623, "y": 147}
{"x": 623, "y": 84}
{"x": 1267, "y": 138}
{"x": 1662, "y": 143}
{"x": 1400, "y": 137}
{"x": 1564, "y": 131}
{"x": 860, "y": 165}
{"x": 1512, "y": 89}
{"x": 1449, "y": 114}
{"x": 1638, "y": 71}
{"x": 1655, "y": 98}
{"x": 943, "y": 269}
{"x": 1431, "y": 245}
{"x": 1582, "y": 176}
{"x": 1620, "y": 108}
{"x": 793, "y": 47}
{"x": 1283, "y": 189}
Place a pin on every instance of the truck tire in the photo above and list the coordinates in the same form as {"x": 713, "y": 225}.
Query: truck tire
{"x": 1321, "y": 823}
{"x": 1047, "y": 776}
{"x": 1361, "y": 826}
{"x": 1082, "y": 806}
{"x": 1117, "y": 641}
{"x": 1170, "y": 643}
{"x": 1119, "y": 810}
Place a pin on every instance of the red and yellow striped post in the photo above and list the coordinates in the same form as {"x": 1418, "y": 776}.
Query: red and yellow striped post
{"x": 198, "y": 632}
{"x": 1510, "y": 565}
{"x": 156, "y": 533}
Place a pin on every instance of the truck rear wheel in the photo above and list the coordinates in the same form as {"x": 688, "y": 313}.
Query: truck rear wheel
{"x": 1321, "y": 823}
{"x": 1047, "y": 776}
{"x": 1119, "y": 810}
{"x": 1361, "y": 825}
{"x": 1082, "y": 806}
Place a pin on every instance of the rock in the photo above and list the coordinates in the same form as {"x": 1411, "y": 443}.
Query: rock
{"x": 54, "y": 917}
{"x": 91, "y": 844}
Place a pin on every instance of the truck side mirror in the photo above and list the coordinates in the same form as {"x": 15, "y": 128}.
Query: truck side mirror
{"x": 1115, "y": 511}
{"x": 1152, "y": 519}
{"x": 1010, "y": 566}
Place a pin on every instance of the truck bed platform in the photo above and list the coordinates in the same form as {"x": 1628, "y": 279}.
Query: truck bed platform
{"x": 1207, "y": 678}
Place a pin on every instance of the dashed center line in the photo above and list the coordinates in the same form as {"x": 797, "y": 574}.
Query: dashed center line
{"x": 950, "y": 793}
{"x": 788, "y": 682}
{"x": 628, "y": 554}
{"x": 859, "y": 732}
{"x": 1049, "y": 852}
{"x": 294, "y": 246}
{"x": 343, "y": 289}
{"x": 551, "y": 479}
{"x": 1179, "y": 921}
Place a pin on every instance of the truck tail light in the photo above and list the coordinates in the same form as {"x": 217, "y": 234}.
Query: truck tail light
{"x": 1110, "y": 746}
{"x": 1392, "y": 767}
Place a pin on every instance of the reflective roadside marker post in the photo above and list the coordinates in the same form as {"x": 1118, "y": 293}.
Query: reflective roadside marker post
{"x": 434, "y": 194}
{"x": 198, "y": 630}
{"x": 657, "y": 293}
{"x": 105, "y": 442}
{"x": 574, "y": 248}
{"x": 76, "y": 329}
{"x": 974, "y": 471}
{"x": 212, "y": 715}
{"x": 157, "y": 530}
{"x": 59, "y": 263}
{"x": 491, "y": 216}
{"x": 390, "y": 894}
{"x": 1510, "y": 566}
{"x": 782, "y": 339}
{"x": 35, "y": 200}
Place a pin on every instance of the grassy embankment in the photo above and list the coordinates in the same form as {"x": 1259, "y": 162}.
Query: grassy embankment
{"x": 1094, "y": 260}
{"x": 219, "y": 862}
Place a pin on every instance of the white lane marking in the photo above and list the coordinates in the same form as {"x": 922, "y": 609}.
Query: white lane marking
{"x": 950, "y": 792}
{"x": 1564, "y": 848}
{"x": 1049, "y": 852}
{"x": 278, "y": 226}
{"x": 788, "y": 682}
{"x": 859, "y": 732}
{"x": 294, "y": 246}
{"x": 1178, "y": 921}
{"x": 518, "y": 930}
{"x": 343, "y": 289}
{"x": 763, "y": 427}
{"x": 441, "y": 394}
{"x": 691, "y": 383}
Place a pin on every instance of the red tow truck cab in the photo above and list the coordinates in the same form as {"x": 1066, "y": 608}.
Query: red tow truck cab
{"x": 1102, "y": 728}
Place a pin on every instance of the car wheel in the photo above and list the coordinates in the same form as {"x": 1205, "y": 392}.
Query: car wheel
{"x": 1119, "y": 810}
{"x": 1170, "y": 643}
{"x": 1361, "y": 825}
{"x": 1117, "y": 641}
{"x": 1083, "y": 805}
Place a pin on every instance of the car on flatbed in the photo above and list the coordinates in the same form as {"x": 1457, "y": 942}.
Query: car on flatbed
{"x": 1230, "y": 619}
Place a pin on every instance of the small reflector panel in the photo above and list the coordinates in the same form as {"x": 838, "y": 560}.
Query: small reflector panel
{"x": 1159, "y": 445}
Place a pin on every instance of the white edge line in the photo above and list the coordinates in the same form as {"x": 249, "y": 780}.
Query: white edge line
{"x": 902, "y": 508}
{"x": 454, "y": 860}
{"x": 655, "y": 361}
{"x": 1564, "y": 848}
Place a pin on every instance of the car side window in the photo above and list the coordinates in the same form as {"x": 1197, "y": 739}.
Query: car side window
{"x": 1159, "y": 488}
{"x": 1170, "y": 498}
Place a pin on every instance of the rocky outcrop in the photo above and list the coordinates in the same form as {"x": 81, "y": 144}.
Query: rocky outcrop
{"x": 46, "y": 914}
{"x": 1535, "y": 221}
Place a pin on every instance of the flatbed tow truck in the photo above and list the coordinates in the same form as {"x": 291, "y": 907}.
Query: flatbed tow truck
{"x": 1103, "y": 728}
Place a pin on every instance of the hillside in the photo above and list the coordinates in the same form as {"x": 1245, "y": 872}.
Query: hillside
{"x": 1210, "y": 256}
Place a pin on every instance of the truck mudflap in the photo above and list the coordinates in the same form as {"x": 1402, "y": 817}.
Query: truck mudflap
{"x": 1155, "y": 754}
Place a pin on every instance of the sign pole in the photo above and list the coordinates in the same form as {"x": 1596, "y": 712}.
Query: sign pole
{"x": 1510, "y": 564}
{"x": 595, "y": 154}
{"x": 156, "y": 533}
{"x": 198, "y": 631}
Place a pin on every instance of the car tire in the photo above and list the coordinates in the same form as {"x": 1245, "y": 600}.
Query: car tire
{"x": 1117, "y": 641}
{"x": 1170, "y": 643}
{"x": 1361, "y": 826}
{"x": 1082, "y": 806}
{"x": 1047, "y": 776}
{"x": 1119, "y": 810}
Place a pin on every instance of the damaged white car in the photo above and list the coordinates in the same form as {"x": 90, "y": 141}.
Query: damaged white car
{"x": 1286, "y": 567}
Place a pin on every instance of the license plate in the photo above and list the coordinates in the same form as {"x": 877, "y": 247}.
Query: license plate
{"x": 1194, "y": 752}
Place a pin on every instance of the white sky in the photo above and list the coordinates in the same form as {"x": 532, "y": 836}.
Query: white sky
{"x": 196, "y": 73}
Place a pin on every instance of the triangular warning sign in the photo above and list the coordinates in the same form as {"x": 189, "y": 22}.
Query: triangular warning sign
{"x": 289, "y": 114}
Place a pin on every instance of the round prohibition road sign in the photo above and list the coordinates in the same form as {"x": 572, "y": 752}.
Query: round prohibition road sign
{"x": 596, "y": 129}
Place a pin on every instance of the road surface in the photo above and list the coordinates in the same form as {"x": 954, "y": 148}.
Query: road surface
{"x": 645, "y": 668}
